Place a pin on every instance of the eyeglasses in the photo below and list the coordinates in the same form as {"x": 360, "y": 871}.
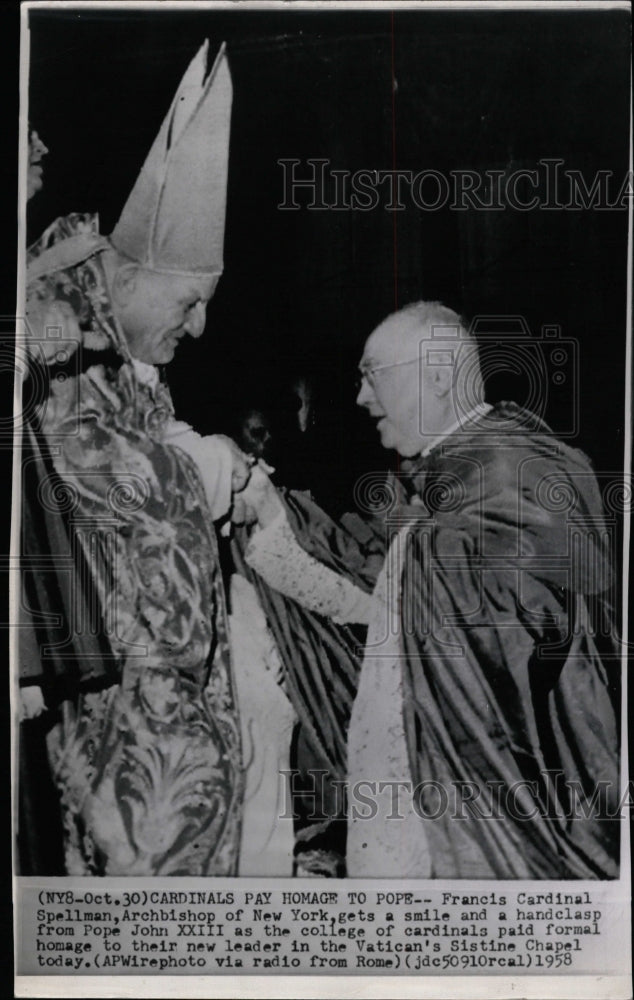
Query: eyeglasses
{"x": 369, "y": 373}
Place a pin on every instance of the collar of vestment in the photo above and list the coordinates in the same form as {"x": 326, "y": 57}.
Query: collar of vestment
{"x": 146, "y": 375}
{"x": 412, "y": 469}
{"x": 463, "y": 422}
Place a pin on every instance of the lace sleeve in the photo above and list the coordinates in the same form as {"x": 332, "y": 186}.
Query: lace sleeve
{"x": 277, "y": 556}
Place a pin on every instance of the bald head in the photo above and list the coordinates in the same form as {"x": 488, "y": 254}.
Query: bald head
{"x": 421, "y": 373}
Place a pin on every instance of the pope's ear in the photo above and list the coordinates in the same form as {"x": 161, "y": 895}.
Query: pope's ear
{"x": 124, "y": 283}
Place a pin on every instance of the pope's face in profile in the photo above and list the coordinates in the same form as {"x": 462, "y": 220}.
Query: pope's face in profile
{"x": 157, "y": 310}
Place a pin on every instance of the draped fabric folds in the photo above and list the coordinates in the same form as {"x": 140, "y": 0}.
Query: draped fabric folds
{"x": 511, "y": 663}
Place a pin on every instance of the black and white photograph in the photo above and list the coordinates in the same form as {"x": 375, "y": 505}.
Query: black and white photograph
{"x": 322, "y": 494}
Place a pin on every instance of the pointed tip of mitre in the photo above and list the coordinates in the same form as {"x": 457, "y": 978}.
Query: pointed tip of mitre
{"x": 174, "y": 218}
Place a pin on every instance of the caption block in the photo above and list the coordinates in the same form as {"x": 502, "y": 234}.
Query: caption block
{"x": 200, "y": 931}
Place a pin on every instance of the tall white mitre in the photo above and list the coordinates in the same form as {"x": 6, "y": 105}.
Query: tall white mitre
{"x": 174, "y": 218}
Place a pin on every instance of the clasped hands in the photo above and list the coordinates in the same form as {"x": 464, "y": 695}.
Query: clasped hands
{"x": 255, "y": 498}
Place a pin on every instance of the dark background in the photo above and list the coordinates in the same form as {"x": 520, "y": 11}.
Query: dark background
{"x": 302, "y": 290}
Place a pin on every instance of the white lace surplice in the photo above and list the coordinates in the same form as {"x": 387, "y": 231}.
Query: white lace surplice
{"x": 266, "y": 720}
{"x": 379, "y": 846}
{"x": 277, "y": 556}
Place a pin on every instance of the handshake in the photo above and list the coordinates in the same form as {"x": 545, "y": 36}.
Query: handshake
{"x": 255, "y": 498}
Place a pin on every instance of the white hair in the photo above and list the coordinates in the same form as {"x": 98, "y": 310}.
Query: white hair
{"x": 443, "y": 339}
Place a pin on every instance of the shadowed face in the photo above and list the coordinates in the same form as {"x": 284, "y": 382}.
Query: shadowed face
{"x": 37, "y": 151}
{"x": 255, "y": 434}
{"x": 305, "y": 414}
{"x": 156, "y": 310}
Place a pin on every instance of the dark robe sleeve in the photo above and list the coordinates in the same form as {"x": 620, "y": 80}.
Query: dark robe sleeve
{"x": 62, "y": 646}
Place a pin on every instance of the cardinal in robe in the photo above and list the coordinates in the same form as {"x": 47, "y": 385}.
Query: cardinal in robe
{"x": 481, "y": 739}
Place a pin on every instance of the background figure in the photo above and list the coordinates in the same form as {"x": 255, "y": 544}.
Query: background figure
{"x": 303, "y": 389}
{"x": 35, "y": 169}
{"x": 255, "y": 434}
{"x": 261, "y": 415}
{"x": 309, "y": 464}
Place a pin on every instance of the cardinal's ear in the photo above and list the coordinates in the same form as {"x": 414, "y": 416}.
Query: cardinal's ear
{"x": 441, "y": 379}
{"x": 124, "y": 284}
